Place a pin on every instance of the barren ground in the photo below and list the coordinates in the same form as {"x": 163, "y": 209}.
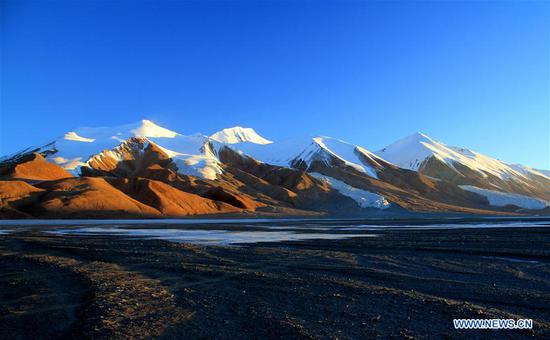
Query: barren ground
{"x": 403, "y": 284}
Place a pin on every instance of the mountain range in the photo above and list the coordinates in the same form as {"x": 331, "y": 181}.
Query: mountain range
{"x": 145, "y": 170}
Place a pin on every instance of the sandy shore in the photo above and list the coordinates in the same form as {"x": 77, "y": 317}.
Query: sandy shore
{"x": 404, "y": 284}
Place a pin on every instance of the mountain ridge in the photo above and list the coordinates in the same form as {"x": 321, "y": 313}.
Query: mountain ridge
{"x": 236, "y": 170}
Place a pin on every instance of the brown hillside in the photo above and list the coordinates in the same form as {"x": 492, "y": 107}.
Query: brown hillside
{"x": 33, "y": 167}
{"x": 15, "y": 195}
{"x": 169, "y": 200}
{"x": 88, "y": 197}
{"x": 284, "y": 185}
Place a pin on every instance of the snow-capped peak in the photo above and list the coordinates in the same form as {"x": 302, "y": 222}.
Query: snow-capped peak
{"x": 77, "y": 147}
{"x": 411, "y": 152}
{"x": 143, "y": 128}
{"x": 239, "y": 134}
{"x": 309, "y": 149}
{"x": 147, "y": 128}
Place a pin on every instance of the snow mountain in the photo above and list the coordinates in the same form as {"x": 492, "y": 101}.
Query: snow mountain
{"x": 414, "y": 152}
{"x": 236, "y": 170}
{"x": 111, "y": 145}
{"x": 466, "y": 167}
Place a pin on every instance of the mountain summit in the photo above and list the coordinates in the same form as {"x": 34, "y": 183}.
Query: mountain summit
{"x": 147, "y": 128}
{"x": 239, "y": 134}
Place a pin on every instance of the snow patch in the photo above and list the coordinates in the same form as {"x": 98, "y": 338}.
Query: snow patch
{"x": 192, "y": 155}
{"x": 363, "y": 198}
{"x": 75, "y": 137}
{"x": 68, "y": 164}
{"x": 345, "y": 152}
{"x": 501, "y": 199}
{"x": 278, "y": 153}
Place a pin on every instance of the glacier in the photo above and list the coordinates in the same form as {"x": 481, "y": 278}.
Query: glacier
{"x": 501, "y": 199}
{"x": 364, "y": 198}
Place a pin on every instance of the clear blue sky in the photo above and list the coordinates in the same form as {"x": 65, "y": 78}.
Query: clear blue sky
{"x": 473, "y": 74}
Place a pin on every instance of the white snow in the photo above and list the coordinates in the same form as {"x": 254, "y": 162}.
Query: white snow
{"x": 309, "y": 149}
{"x": 530, "y": 171}
{"x": 143, "y": 128}
{"x": 239, "y": 134}
{"x": 345, "y": 152}
{"x": 192, "y": 155}
{"x": 149, "y": 129}
{"x": 74, "y": 136}
{"x": 280, "y": 153}
{"x": 412, "y": 151}
{"x": 76, "y": 148}
{"x": 363, "y": 198}
{"x": 68, "y": 164}
{"x": 501, "y": 199}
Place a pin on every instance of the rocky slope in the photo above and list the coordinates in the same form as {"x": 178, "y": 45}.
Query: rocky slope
{"x": 144, "y": 170}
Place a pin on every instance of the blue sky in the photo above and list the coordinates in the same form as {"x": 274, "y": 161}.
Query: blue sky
{"x": 474, "y": 74}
